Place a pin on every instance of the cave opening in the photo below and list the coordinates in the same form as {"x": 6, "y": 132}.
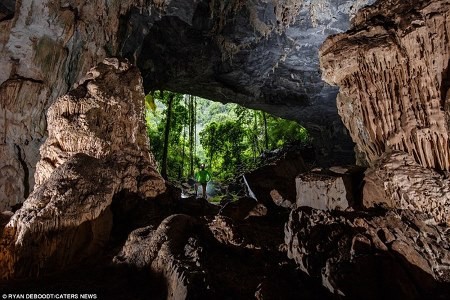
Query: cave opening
{"x": 186, "y": 131}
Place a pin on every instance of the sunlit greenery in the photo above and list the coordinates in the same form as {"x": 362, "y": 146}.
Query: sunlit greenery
{"x": 227, "y": 138}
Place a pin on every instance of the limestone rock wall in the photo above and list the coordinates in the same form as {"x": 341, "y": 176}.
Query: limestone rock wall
{"x": 96, "y": 149}
{"x": 393, "y": 72}
{"x": 45, "y": 47}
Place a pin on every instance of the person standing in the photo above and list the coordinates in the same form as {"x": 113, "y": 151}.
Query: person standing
{"x": 202, "y": 177}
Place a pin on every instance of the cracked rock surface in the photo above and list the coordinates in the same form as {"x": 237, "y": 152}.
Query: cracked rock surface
{"x": 96, "y": 149}
{"x": 392, "y": 69}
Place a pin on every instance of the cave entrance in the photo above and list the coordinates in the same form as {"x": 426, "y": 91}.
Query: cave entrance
{"x": 186, "y": 131}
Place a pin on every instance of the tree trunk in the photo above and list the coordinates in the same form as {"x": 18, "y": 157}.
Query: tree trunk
{"x": 166, "y": 136}
{"x": 266, "y": 134}
{"x": 186, "y": 122}
{"x": 191, "y": 135}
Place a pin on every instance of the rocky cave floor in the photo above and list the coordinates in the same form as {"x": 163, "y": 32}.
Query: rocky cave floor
{"x": 178, "y": 248}
{"x": 222, "y": 253}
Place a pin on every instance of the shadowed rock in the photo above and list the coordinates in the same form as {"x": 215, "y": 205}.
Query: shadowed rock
{"x": 97, "y": 148}
{"x": 274, "y": 183}
{"x": 390, "y": 254}
{"x": 398, "y": 181}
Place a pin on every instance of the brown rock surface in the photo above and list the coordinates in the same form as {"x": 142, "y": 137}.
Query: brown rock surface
{"x": 393, "y": 254}
{"x": 329, "y": 189}
{"x": 398, "y": 181}
{"x": 46, "y": 47}
{"x": 274, "y": 183}
{"x": 171, "y": 251}
{"x": 218, "y": 258}
{"x": 392, "y": 70}
{"x": 243, "y": 208}
{"x": 97, "y": 148}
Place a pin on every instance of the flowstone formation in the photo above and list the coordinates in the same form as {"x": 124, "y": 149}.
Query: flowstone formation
{"x": 262, "y": 54}
{"x": 97, "y": 150}
{"x": 393, "y": 72}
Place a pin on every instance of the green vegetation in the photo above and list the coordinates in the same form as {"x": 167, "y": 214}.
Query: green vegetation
{"x": 185, "y": 131}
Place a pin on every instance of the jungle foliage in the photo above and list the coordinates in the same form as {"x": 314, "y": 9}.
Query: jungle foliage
{"x": 185, "y": 131}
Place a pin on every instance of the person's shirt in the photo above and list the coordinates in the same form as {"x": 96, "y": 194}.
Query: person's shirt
{"x": 202, "y": 176}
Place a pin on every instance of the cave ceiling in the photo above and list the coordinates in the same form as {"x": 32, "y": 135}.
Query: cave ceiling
{"x": 261, "y": 54}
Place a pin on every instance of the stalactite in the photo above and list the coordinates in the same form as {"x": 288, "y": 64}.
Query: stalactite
{"x": 393, "y": 78}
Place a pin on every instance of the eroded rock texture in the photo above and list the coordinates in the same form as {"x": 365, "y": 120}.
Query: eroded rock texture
{"x": 218, "y": 257}
{"x": 97, "y": 148}
{"x": 336, "y": 188}
{"x": 393, "y": 254}
{"x": 398, "y": 181}
{"x": 262, "y": 54}
{"x": 46, "y": 46}
{"x": 393, "y": 72}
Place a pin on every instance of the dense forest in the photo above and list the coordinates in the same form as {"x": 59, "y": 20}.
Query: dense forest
{"x": 186, "y": 131}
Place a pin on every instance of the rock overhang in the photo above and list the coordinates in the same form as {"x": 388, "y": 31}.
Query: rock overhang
{"x": 261, "y": 54}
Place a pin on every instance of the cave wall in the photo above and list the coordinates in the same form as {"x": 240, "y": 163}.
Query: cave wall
{"x": 262, "y": 54}
{"x": 393, "y": 72}
{"x": 45, "y": 48}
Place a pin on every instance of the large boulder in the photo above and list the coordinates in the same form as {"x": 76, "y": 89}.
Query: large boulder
{"x": 274, "y": 183}
{"x": 393, "y": 254}
{"x": 243, "y": 208}
{"x": 97, "y": 149}
{"x": 171, "y": 251}
{"x": 398, "y": 181}
{"x": 328, "y": 189}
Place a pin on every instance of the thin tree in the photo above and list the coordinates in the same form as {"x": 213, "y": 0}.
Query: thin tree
{"x": 185, "y": 123}
{"x": 166, "y": 136}
{"x": 266, "y": 134}
{"x": 192, "y": 133}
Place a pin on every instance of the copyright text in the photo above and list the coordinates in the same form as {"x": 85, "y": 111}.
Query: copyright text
{"x": 49, "y": 296}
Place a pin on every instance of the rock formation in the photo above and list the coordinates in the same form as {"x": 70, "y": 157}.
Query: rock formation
{"x": 96, "y": 183}
{"x": 97, "y": 148}
{"x": 171, "y": 251}
{"x": 392, "y": 70}
{"x": 274, "y": 183}
{"x": 45, "y": 48}
{"x": 393, "y": 254}
{"x": 397, "y": 181}
{"x": 262, "y": 54}
{"x": 217, "y": 257}
{"x": 336, "y": 188}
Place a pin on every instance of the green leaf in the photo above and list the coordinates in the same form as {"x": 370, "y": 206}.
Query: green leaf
{"x": 150, "y": 103}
